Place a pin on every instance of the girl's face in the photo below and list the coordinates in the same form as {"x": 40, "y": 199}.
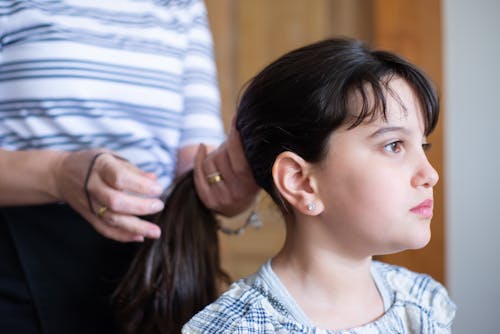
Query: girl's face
{"x": 376, "y": 182}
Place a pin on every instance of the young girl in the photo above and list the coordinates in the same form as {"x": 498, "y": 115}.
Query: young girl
{"x": 336, "y": 134}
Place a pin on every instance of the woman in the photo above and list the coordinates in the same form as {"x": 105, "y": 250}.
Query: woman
{"x": 102, "y": 105}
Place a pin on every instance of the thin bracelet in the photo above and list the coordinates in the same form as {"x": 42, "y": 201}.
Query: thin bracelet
{"x": 87, "y": 177}
{"x": 252, "y": 220}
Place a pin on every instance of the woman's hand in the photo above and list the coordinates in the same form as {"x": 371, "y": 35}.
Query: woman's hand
{"x": 223, "y": 179}
{"x": 118, "y": 193}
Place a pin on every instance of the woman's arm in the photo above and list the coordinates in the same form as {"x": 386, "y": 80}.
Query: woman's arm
{"x": 43, "y": 176}
{"x": 27, "y": 177}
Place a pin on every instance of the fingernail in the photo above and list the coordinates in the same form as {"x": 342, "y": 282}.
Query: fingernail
{"x": 157, "y": 205}
{"x": 139, "y": 238}
{"x": 154, "y": 232}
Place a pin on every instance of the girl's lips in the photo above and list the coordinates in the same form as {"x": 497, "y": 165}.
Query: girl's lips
{"x": 424, "y": 209}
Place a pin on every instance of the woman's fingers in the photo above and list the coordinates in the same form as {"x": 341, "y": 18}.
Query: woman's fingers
{"x": 124, "y": 202}
{"x": 219, "y": 186}
{"x": 210, "y": 182}
{"x": 201, "y": 183}
{"x": 122, "y": 175}
{"x": 129, "y": 225}
{"x": 228, "y": 188}
{"x": 123, "y": 188}
{"x": 113, "y": 197}
{"x": 120, "y": 193}
{"x": 236, "y": 154}
{"x": 114, "y": 233}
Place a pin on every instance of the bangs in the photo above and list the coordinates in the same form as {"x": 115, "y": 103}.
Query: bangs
{"x": 366, "y": 100}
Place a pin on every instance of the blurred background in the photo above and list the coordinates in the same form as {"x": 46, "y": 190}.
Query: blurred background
{"x": 457, "y": 42}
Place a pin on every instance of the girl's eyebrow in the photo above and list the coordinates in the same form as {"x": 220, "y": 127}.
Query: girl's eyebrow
{"x": 386, "y": 129}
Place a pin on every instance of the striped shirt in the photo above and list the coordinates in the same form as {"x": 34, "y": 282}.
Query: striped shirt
{"x": 414, "y": 303}
{"x": 136, "y": 77}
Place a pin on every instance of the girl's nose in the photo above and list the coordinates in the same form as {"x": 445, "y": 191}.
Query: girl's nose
{"x": 425, "y": 176}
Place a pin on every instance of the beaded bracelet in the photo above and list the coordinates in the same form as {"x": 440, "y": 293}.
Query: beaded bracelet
{"x": 252, "y": 220}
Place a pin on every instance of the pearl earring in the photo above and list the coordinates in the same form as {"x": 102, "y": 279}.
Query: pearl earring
{"x": 311, "y": 206}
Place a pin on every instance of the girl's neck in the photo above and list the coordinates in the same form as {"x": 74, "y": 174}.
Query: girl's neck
{"x": 334, "y": 291}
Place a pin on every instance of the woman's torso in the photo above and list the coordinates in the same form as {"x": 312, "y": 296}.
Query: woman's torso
{"x": 135, "y": 77}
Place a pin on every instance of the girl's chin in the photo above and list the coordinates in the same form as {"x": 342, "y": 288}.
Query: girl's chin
{"x": 416, "y": 241}
{"x": 420, "y": 240}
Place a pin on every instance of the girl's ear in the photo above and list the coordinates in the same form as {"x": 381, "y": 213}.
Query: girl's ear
{"x": 293, "y": 178}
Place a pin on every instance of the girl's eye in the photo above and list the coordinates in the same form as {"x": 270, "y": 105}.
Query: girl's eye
{"x": 426, "y": 146}
{"x": 394, "y": 147}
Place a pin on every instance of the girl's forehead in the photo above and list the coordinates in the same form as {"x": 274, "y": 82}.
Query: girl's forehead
{"x": 399, "y": 98}
{"x": 403, "y": 109}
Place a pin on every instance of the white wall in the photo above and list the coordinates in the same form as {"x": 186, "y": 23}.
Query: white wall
{"x": 472, "y": 146}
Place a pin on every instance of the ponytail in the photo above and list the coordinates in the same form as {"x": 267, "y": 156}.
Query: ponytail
{"x": 172, "y": 278}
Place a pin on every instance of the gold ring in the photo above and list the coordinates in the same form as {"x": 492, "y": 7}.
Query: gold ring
{"x": 214, "y": 178}
{"x": 102, "y": 210}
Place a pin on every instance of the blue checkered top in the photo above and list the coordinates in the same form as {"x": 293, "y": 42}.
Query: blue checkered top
{"x": 415, "y": 303}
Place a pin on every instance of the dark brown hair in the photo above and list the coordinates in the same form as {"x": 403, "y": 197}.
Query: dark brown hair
{"x": 294, "y": 104}
{"x": 175, "y": 276}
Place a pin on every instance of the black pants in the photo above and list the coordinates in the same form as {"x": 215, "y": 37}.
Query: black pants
{"x": 56, "y": 272}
